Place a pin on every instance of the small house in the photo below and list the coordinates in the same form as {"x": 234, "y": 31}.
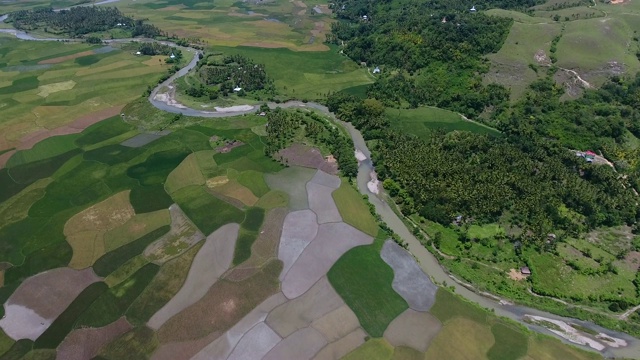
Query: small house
{"x": 376, "y": 70}
{"x": 138, "y": 53}
{"x": 444, "y": 20}
{"x": 172, "y": 56}
{"x": 473, "y": 8}
{"x": 236, "y": 89}
{"x": 590, "y": 153}
{"x": 263, "y": 113}
{"x": 365, "y": 17}
{"x": 525, "y": 270}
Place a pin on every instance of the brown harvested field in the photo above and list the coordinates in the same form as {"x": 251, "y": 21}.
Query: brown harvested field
{"x": 222, "y": 347}
{"x": 81, "y": 123}
{"x": 85, "y": 230}
{"x": 264, "y": 248}
{"x": 60, "y": 59}
{"x": 183, "y": 349}
{"x": 224, "y": 305}
{"x": 183, "y": 235}
{"x": 41, "y": 298}
{"x": 211, "y": 262}
{"x": 337, "y": 323}
{"x": 413, "y": 329}
{"x": 137, "y": 226}
{"x": 83, "y": 344}
{"x": 299, "y": 313}
{"x": 342, "y": 347}
{"x": 233, "y": 189}
{"x": 301, "y": 155}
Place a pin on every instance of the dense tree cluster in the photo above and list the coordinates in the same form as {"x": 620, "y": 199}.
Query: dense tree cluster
{"x": 154, "y": 48}
{"x": 286, "y": 126}
{"x": 435, "y": 48}
{"x": 234, "y": 71}
{"x": 525, "y": 175}
{"x": 80, "y": 20}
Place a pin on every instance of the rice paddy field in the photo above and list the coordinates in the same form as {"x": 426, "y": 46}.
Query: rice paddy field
{"x": 64, "y": 87}
{"x": 297, "y": 25}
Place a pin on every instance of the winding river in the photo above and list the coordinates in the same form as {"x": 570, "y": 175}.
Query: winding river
{"x": 427, "y": 261}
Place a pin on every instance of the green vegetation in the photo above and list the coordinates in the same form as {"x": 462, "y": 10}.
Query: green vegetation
{"x": 18, "y": 350}
{"x": 449, "y": 306}
{"x": 197, "y": 203}
{"x": 162, "y": 288}
{"x": 248, "y": 234}
{"x": 45, "y": 149}
{"x": 254, "y": 181}
{"x": 63, "y": 324}
{"x": 157, "y": 167}
{"x": 114, "y": 303}
{"x": 353, "y": 209}
{"x": 374, "y": 349}
{"x": 510, "y": 343}
{"x": 138, "y": 343}
{"x": 151, "y": 198}
{"x": 112, "y": 260}
{"x": 79, "y": 21}
{"x": 423, "y": 121}
{"x": 374, "y": 301}
{"x": 5, "y": 342}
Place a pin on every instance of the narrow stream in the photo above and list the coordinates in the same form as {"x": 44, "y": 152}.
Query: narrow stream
{"x": 427, "y": 261}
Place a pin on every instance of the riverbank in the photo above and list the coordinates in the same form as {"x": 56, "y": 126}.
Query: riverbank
{"x": 427, "y": 261}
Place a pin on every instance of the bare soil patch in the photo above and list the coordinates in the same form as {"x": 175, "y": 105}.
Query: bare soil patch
{"x": 235, "y": 190}
{"x": 325, "y": 179}
{"x": 516, "y": 275}
{"x": 340, "y": 348}
{"x": 408, "y": 278}
{"x": 256, "y": 343}
{"x": 332, "y": 241}
{"x": 633, "y": 260}
{"x": 27, "y": 141}
{"x": 302, "y": 155}
{"x": 182, "y": 236}
{"x": 222, "y": 347}
{"x": 60, "y": 59}
{"x": 321, "y": 202}
{"x": 223, "y": 305}
{"x": 298, "y": 230}
{"x": 85, "y": 344}
{"x": 304, "y": 310}
{"x": 213, "y": 259}
{"x": 413, "y": 329}
{"x": 302, "y": 344}
{"x": 50, "y": 292}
